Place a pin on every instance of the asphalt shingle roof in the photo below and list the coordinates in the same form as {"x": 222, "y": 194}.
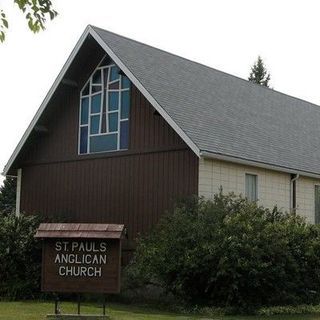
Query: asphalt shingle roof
{"x": 222, "y": 113}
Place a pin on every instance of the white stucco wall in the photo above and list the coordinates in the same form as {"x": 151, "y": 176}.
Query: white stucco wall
{"x": 273, "y": 186}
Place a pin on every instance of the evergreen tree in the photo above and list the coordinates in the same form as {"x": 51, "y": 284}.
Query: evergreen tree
{"x": 8, "y": 196}
{"x": 259, "y": 73}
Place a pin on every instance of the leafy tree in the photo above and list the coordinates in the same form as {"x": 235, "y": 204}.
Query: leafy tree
{"x": 259, "y": 73}
{"x": 8, "y": 196}
{"x": 36, "y": 12}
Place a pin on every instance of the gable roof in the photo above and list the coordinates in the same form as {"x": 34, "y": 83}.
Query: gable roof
{"x": 218, "y": 115}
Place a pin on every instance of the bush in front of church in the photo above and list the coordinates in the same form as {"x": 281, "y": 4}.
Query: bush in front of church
{"x": 20, "y": 257}
{"x": 230, "y": 252}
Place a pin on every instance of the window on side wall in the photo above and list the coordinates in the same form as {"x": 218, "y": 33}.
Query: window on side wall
{"x": 104, "y": 110}
{"x": 317, "y": 204}
{"x": 251, "y": 187}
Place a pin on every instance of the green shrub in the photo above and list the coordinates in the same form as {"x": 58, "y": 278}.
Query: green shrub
{"x": 232, "y": 253}
{"x": 20, "y": 257}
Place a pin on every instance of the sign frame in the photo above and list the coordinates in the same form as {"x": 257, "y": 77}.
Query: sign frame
{"x": 81, "y": 258}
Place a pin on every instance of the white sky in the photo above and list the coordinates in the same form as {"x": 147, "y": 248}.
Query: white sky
{"x": 227, "y": 35}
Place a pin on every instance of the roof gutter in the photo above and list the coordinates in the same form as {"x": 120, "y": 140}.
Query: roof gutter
{"x": 217, "y": 156}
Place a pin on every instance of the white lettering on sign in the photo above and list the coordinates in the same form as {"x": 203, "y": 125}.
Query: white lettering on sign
{"x": 79, "y": 271}
{"x": 80, "y": 258}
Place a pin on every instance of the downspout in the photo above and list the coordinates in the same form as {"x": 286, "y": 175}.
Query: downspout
{"x": 293, "y": 192}
{"x": 18, "y": 192}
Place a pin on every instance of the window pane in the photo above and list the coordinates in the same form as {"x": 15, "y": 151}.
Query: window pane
{"x": 97, "y": 77}
{"x": 106, "y": 60}
{"x": 105, "y": 112}
{"x": 114, "y": 85}
{"x": 113, "y": 122}
{"x": 86, "y": 90}
{"x": 125, "y": 82}
{"x": 94, "y": 124}
{"x": 114, "y": 73}
{"x": 251, "y": 187}
{"x": 84, "y": 110}
{"x": 103, "y": 123}
{"x": 125, "y": 104}
{"x": 83, "y": 139}
{"x": 113, "y": 101}
{"x": 105, "y": 75}
{"x": 124, "y": 134}
{"x": 96, "y": 103}
{"x": 96, "y": 89}
{"x": 103, "y": 143}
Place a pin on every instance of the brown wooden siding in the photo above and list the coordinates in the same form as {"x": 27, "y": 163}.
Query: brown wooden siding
{"x": 148, "y": 131}
{"x": 133, "y": 187}
{"x": 134, "y": 190}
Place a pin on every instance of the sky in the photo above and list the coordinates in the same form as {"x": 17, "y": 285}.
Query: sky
{"x": 227, "y": 35}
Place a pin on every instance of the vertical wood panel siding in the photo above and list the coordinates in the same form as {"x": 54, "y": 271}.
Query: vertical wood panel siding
{"x": 133, "y": 187}
{"x": 148, "y": 131}
{"x": 134, "y": 190}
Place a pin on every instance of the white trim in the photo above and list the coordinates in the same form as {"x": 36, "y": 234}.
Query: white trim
{"x": 97, "y": 83}
{"x": 211, "y": 155}
{"x": 144, "y": 91}
{"x": 292, "y": 180}
{"x": 103, "y": 93}
{"x": 18, "y": 192}
{"x": 106, "y": 88}
{"x": 85, "y": 95}
{"x": 102, "y": 134}
{"x": 128, "y": 73}
{"x": 119, "y": 90}
{"x": 93, "y": 93}
{"x": 46, "y": 100}
{"x": 119, "y": 111}
{"x": 93, "y": 114}
{"x": 248, "y": 173}
{"x": 79, "y": 131}
{"x": 89, "y": 115}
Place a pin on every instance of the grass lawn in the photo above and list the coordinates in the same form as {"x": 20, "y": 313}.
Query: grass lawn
{"x": 38, "y": 310}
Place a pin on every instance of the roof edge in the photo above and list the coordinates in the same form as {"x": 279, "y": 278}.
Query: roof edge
{"x": 90, "y": 30}
{"x": 46, "y": 100}
{"x": 145, "y": 92}
{"x": 254, "y": 163}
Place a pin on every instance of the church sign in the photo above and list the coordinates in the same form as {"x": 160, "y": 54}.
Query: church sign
{"x": 81, "y": 257}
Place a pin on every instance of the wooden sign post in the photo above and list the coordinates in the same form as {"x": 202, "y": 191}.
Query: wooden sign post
{"x": 80, "y": 258}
